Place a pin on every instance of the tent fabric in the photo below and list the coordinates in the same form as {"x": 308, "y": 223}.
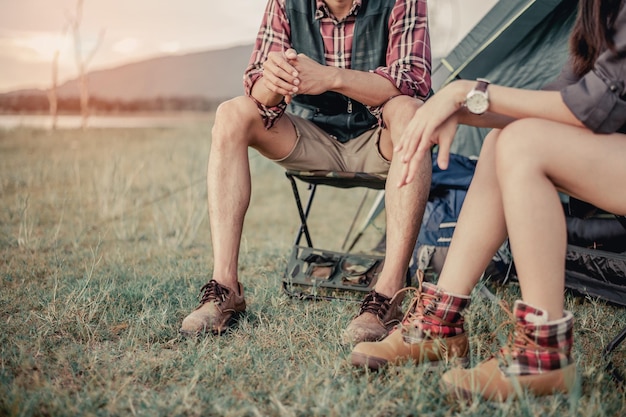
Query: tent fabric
{"x": 524, "y": 43}
{"x": 506, "y": 29}
{"x": 588, "y": 232}
{"x": 519, "y": 43}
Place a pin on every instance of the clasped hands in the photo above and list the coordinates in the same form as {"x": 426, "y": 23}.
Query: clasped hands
{"x": 289, "y": 73}
{"x": 434, "y": 123}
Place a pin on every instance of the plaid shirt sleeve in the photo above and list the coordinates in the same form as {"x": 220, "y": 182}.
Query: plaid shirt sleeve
{"x": 273, "y": 35}
{"x": 408, "y": 51}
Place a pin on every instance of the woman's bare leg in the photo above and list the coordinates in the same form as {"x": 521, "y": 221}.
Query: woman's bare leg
{"x": 535, "y": 158}
{"x": 480, "y": 229}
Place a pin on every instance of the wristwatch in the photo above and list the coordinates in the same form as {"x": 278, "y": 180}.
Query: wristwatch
{"x": 477, "y": 100}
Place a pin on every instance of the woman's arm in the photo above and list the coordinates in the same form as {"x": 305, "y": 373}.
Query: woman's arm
{"x": 435, "y": 122}
{"x": 507, "y": 104}
{"x": 488, "y": 119}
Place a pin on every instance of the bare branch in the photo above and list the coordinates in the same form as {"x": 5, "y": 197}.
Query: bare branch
{"x": 74, "y": 22}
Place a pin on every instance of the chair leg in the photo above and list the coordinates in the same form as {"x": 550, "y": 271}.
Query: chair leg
{"x": 610, "y": 367}
{"x": 303, "y": 212}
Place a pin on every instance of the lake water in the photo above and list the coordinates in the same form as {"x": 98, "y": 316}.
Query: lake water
{"x": 12, "y": 121}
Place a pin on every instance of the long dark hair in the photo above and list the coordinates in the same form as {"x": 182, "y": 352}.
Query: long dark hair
{"x": 593, "y": 32}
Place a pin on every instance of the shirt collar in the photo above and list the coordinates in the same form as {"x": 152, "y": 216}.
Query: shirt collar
{"x": 322, "y": 10}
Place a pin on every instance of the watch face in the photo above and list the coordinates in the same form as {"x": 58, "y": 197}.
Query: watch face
{"x": 477, "y": 102}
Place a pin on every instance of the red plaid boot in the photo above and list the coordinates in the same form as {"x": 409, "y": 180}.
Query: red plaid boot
{"x": 431, "y": 332}
{"x": 537, "y": 359}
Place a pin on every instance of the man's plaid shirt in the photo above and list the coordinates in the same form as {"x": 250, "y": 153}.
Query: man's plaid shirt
{"x": 408, "y": 63}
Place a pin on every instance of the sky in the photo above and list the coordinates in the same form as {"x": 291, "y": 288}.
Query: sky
{"x": 31, "y": 31}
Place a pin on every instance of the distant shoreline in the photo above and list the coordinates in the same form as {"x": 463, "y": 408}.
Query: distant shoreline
{"x": 106, "y": 120}
{"x": 139, "y": 113}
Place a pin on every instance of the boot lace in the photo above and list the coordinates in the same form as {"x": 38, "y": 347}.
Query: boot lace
{"x": 376, "y": 304}
{"x": 518, "y": 339}
{"x": 422, "y": 308}
{"x": 213, "y": 291}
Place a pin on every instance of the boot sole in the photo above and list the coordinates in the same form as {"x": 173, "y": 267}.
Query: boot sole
{"x": 465, "y": 395}
{"x": 360, "y": 360}
{"x": 458, "y": 394}
{"x": 188, "y": 333}
{"x": 214, "y": 331}
{"x": 374, "y": 363}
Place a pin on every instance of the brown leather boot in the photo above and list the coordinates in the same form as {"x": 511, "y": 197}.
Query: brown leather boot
{"x": 378, "y": 314}
{"x": 219, "y": 307}
{"x": 538, "y": 360}
{"x": 431, "y": 332}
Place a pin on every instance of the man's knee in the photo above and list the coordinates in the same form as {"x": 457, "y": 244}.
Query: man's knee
{"x": 234, "y": 119}
{"x": 398, "y": 111}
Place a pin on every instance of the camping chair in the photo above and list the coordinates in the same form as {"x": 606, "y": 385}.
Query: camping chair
{"x": 311, "y": 269}
{"x": 599, "y": 273}
{"x": 606, "y": 355}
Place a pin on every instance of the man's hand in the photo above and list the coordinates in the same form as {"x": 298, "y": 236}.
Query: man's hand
{"x": 313, "y": 78}
{"x": 289, "y": 73}
{"x": 279, "y": 74}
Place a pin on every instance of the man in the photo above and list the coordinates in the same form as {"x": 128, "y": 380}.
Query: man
{"x": 351, "y": 74}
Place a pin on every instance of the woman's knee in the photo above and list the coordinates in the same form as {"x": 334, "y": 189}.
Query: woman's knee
{"x": 518, "y": 148}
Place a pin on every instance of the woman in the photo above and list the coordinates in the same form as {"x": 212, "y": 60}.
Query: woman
{"x": 543, "y": 142}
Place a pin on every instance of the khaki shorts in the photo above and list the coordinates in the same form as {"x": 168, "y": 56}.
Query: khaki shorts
{"x": 317, "y": 150}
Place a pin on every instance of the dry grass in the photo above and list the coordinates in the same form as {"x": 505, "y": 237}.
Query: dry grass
{"x": 104, "y": 243}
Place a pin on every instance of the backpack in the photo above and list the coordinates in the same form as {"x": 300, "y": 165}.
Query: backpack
{"x": 447, "y": 193}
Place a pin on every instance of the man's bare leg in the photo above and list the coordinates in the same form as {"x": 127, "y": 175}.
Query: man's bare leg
{"x": 404, "y": 206}
{"x": 404, "y": 211}
{"x": 237, "y": 128}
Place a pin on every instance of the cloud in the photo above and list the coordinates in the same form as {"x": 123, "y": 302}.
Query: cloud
{"x": 170, "y": 47}
{"x": 127, "y": 46}
{"x": 33, "y": 46}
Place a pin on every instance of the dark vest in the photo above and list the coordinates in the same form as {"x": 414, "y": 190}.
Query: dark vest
{"x": 335, "y": 113}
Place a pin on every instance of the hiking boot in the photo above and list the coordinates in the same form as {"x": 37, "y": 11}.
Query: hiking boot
{"x": 431, "y": 333}
{"x": 378, "y": 314}
{"x": 537, "y": 359}
{"x": 218, "y": 309}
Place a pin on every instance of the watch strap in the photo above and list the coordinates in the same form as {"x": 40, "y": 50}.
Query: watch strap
{"x": 481, "y": 84}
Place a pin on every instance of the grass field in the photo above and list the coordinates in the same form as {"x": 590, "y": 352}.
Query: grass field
{"x": 104, "y": 244}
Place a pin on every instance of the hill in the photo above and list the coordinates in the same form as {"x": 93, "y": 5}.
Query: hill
{"x": 210, "y": 76}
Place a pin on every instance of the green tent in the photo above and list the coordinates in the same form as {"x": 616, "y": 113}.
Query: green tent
{"x": 518, "y": 43}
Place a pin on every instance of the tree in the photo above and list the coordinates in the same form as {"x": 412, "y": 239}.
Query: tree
{"x": 82, "y": 62}
{"x": 53, "y": 99}
{"x": 52, "y": 92}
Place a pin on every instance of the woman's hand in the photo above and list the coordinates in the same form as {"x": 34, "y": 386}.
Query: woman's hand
{"x": 433, "y": 123}
{"x": 412, "y": 156}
